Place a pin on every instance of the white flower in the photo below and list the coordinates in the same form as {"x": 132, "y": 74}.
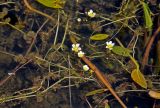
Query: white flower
{"x": 80, "y": 54}
{"x": 110, "y": 45}
{"x": 76, "y": 47}
{"x": 91, "y": 14}
{"x": 85, "y": 67}
{"x": 79, "y": 19}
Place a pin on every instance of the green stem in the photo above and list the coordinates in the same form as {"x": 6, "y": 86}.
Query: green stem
{"x": 135, "y": 62}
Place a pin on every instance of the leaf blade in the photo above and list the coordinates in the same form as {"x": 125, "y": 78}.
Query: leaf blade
{"x": 147, "y": 16}
{"x": 121, "y": 51}
{"x": 138, "y": 77}
{"x": 52, "y": 3}
{"x": 98, "y": 37}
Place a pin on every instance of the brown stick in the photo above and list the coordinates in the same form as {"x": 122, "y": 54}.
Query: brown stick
{"x": 146, "y": 54}
{"x": 103, "y": 80}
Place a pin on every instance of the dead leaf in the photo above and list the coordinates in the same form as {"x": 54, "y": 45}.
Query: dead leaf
{"x": 154, "y": 94}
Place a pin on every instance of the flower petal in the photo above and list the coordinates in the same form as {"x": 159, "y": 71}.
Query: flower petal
{"x": 110, "y": 42}
{"x": 77, "y": 45}
{"x": 107, "y": 43}
{"x": 85, "y": 68}
{"x": 90, "y": 11}
{"x": 73, "y": 45}
{"x": 80, "y": 54}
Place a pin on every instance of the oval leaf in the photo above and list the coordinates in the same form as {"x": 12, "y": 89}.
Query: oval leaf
{"x": 154, "y": 94}
{"x": 138, "y": 77}
{"x": 99, "y": 37}
{"x": 52, "y": 3}
{"x": 121, "y": 51}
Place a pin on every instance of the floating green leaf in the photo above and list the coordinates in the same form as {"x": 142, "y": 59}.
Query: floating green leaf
{"x": 52, "y": 3}
{"x": 147, "y": 16}
{"x": 121, "y": 51}
{"x": 138, "y": 77}
{"x": 99, "y": 37}
{"x": 95, "y": 92}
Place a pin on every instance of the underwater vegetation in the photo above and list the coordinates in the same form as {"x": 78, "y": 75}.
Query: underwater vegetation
{"x": 79, "y": 54}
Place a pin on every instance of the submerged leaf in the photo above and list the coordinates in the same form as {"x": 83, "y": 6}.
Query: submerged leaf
{"x": 147, "y": 16}
{"x": 121, "y": 51}
{"x": 52, "y": 3}
{"x": 74, "y": 39}
{"x": 154, "y": 94}
{"x": 138, "y": 77}
{"x": 99, "y": 37}
{"x": 95, "y": 92}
